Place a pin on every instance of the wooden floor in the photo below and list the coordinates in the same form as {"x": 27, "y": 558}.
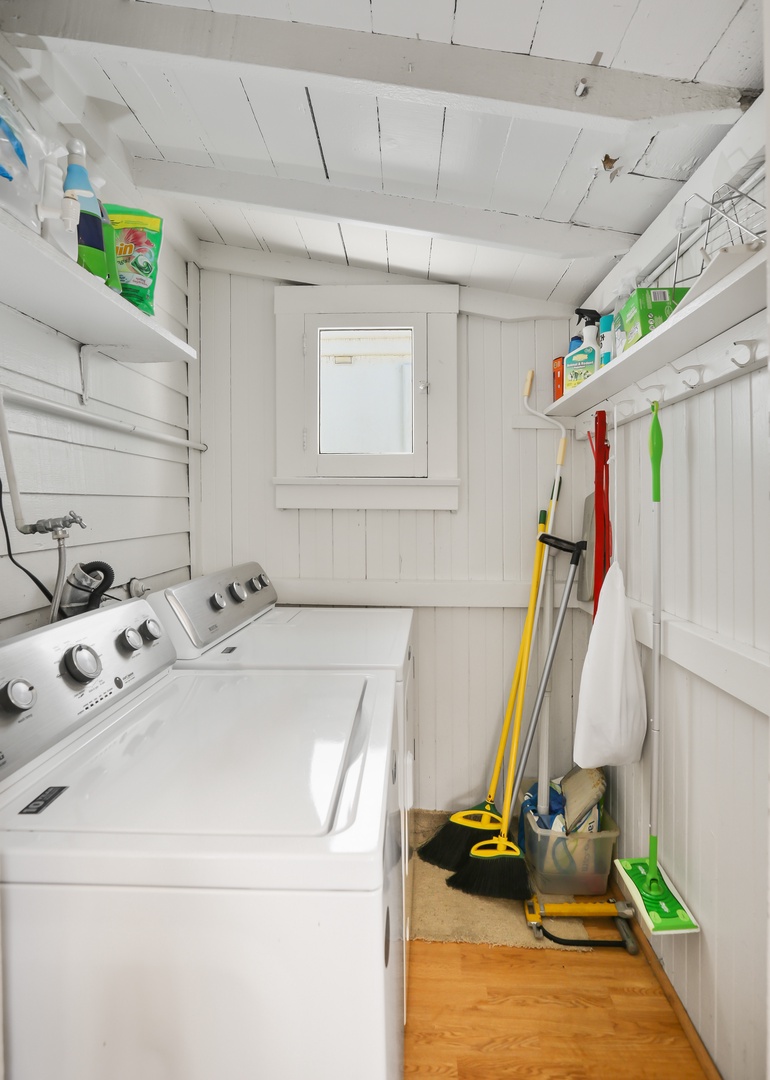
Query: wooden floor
{"x": 477, "y": 1012}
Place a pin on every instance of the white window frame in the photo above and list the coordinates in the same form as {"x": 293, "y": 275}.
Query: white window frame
{"x": 302, "y": 480}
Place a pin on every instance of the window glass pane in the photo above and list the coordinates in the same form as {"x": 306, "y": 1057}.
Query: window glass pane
{"x": 365, "y": 390}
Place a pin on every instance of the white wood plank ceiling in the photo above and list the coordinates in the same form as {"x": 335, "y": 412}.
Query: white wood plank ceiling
{"x": 442, "y": 139}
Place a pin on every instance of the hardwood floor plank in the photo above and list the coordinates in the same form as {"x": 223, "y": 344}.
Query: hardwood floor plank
{"x": 478, "y": 1012}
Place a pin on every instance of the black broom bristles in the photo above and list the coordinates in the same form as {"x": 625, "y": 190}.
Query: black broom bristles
{"x": 504, "y": 875}
{"x": 450, "y": 846}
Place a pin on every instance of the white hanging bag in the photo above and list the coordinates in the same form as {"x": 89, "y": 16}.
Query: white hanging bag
{"x": 612, "y": 710}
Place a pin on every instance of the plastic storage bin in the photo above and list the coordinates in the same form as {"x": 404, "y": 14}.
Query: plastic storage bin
{"x": 578, "y": 863}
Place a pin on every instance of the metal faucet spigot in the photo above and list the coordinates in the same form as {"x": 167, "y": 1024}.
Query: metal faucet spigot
{"x": 59, "y": 526}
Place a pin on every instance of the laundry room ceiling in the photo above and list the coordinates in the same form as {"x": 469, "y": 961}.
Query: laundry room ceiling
{"x": 514, "y": 146}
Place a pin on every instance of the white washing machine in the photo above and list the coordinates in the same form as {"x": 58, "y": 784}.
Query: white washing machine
{"x": 228, "y": 621}
{"x": 199, "y": 873}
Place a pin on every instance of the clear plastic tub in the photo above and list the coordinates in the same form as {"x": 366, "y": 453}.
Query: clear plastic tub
{"x": 578, "y": 863}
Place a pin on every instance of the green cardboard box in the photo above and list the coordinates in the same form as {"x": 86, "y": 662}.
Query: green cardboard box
{"x": 642, "y": 312}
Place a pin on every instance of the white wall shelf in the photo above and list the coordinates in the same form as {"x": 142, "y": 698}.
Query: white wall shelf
{"x": 738, "y": 296}
{"x": 39, "y": 281}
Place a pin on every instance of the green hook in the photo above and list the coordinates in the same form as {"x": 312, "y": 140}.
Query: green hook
{"x": 656, "y": 451}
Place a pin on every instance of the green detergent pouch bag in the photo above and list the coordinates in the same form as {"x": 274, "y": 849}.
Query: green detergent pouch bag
{"x": 137, "y": 245}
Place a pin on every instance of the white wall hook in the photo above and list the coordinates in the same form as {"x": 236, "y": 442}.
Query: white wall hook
{"x": 698, "y": 369}
{"x": 625, "y": 407}
{"x": 659, "y": 394}
{"x": 751, "y": 345}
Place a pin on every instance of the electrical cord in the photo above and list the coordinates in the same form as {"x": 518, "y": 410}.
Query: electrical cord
{"x": 37, "y": 581}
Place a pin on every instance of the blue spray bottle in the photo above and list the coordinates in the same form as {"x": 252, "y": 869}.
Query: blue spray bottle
{"x": 90, "y": 231}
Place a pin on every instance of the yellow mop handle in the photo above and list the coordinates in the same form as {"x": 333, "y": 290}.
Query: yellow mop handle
{"x": 519, "y": 673}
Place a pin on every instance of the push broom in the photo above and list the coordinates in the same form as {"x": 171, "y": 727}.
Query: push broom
{"x": 496, "y": 867}
{"x": 660, "y": 908}
{"x": 450, "y": 846}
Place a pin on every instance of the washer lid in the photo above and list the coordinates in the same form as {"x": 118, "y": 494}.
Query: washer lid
{"x": 255, "y": 754}
{"x": 318, "y": 637}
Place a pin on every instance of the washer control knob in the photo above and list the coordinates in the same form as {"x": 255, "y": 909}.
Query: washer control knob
{"x": 254, "y": 584}
{"x": 130, "y": 639}
{"x": 264, "y": 579}
{"x": 237, "y": 592}
{"x": 18, "y": 695}
{"x": 151, "y": 630}
{"x": 218, "y": 601}
{"x": 82, "y": 663}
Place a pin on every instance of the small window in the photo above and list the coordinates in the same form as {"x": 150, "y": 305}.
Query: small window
{"x": 366, "y": 397}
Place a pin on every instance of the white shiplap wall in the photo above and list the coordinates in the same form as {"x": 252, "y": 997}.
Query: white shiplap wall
{"x": 132, "y": 492}
{"x": 423, "y": 559}
{"x": 714, "y": 786}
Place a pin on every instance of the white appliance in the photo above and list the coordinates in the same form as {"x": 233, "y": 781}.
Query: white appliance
{"x": 199, "y": 872}
{"x": 228, "y": 621}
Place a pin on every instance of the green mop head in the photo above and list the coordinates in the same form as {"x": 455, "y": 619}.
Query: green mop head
{"x": 660, "y": 908}
{"x": 450, "y": 846}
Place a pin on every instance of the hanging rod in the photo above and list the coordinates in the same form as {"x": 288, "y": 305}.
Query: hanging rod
{"x": 18, "y": 397}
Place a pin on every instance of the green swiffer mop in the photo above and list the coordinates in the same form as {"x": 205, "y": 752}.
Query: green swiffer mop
{"x": 660, "y": 908}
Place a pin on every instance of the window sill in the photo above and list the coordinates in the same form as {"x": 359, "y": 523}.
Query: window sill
{"x": 365, "y": 493}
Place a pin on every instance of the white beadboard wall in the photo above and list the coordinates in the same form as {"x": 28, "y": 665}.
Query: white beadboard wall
{"x": 132, "y": 492}
{"x": 714, "y": 786}
{"x": 466, "y": 573}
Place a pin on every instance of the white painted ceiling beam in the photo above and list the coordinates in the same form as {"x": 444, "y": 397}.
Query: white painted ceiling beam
{"x": 455, "y": 76}
{"x": 299, "y": 198}
{"x": 291, "y": 268}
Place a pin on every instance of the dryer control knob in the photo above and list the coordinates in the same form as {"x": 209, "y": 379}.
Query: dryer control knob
{"x": 264, "y": 579}
{"x": 151, "y": 630}
{"x": 237, "y": 592}
{"x": 18, "y": 695}
{"x": 83, "y": 663}
{"x": 130, "y": 639}
{"x": 218, "y": 601}
{"x": 254, "y": 584}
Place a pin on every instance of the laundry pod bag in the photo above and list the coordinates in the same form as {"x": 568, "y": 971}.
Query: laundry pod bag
{"x": 137, "y": 245}
{"x": 612, "y": 711}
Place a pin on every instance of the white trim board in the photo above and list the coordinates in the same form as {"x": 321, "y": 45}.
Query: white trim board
{"x": 245, "y": 262}
{"x": 739, "y": 670}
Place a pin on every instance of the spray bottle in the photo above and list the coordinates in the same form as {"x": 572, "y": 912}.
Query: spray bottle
{"x": 90, "y": 232}
{"x": 58, "y": 211}
{"x": 583, "y": 361}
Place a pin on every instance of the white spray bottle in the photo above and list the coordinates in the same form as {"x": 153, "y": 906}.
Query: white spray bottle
{"x": 583, "y": 361}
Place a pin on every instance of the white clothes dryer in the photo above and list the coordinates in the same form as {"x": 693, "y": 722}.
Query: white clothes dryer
{"x": 199, "y": 872}
{"x": 229, "y": 621}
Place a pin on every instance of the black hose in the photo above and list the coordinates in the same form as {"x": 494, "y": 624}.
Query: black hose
{"x": 591, "y": 943}
{"x": 108, "y": 576}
